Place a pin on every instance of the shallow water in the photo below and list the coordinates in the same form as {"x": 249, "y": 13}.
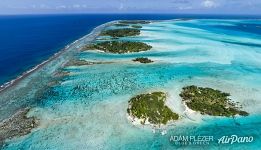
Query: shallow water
{"x": 88, "y": 109}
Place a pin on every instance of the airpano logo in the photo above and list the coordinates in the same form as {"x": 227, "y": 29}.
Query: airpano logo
{"x": 235, "y": 139}
{"x": 206, "y": 139}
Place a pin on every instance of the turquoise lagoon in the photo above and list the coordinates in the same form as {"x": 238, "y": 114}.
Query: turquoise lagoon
{"x": 87, "y": 109}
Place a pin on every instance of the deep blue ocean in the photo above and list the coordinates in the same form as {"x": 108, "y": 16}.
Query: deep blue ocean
{"x": 27, "y": 40}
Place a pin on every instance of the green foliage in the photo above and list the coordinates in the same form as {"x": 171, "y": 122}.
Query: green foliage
{"x": 152, "y": 107}
{"x": 121, "y": 32}
{"x": 119, "y": 46}
{"x": 210, "y": 101}
{"x": 143, "y": 60}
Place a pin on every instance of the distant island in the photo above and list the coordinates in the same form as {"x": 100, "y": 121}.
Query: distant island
{"x": 121, "y": 32}
{"x": 115, "y": 45}
{"x": 119, "y": 47}
{"x": 210, "y": 101}
{"x": 121, "y": 25}
{"x": 151, "y": 108}
{"x": 134, "y": 22}
{"x": 142, "y": 60}
{"x": 136, "y": 26}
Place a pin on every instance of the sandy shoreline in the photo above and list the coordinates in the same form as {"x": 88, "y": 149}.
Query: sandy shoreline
{"x": 93, "y": 33}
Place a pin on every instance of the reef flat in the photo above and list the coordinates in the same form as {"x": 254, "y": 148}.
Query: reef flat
{"x": 83, "y": 63}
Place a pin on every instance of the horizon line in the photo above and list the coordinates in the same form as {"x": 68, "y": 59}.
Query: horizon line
{"x": 130, "y": 13}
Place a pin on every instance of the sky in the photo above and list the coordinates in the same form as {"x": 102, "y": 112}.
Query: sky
{"x": 131, "y": 6}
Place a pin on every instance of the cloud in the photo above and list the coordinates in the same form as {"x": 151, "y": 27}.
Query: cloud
{"x": 185, "y": 7}
{"x": 76, "y": 6}
{"x": 61, "y": 7}
{"x": 44, "y": 6}
{"x": 121, "y": 6}
{"x": 209, "y": 4}
{"x": 72, "y": 6}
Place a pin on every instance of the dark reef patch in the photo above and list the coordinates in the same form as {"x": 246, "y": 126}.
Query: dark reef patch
{"x": 142, "y": 60}
{"x": 18, "y": 125}
{"x": 84, "y": 63}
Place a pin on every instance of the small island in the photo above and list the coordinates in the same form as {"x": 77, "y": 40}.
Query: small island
{"x": 210, "y": 101}
{"x": 142, "y": 60}
{"x": 118, "y": 46}
{"x": 151, "y": 108}
{"x": 134, "y": 22}
{"x": 136, "y": 26}
{"x": 120, "y": 32}
{"x": 121, "y": 25}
